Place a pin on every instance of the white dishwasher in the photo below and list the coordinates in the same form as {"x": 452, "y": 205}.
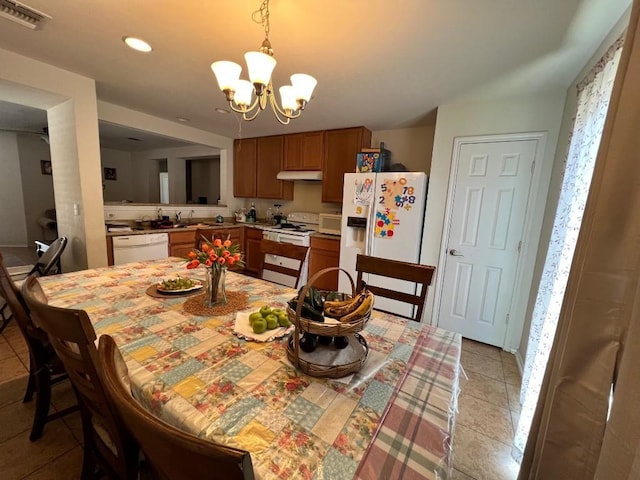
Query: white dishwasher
{"x": 137, "y": 248}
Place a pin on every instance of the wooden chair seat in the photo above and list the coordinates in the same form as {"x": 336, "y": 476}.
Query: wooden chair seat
{"x": 171, "y": 452}
{"x": 106, "y": 441}
{"x": 294, "y": 252}
{"x": 412, "y": 272}
{"x": 45, "y": 368}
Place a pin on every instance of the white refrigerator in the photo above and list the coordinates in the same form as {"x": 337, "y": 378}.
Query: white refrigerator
{"x": 382, "y": 216}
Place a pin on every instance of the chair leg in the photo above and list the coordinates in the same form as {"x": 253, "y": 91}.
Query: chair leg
{"x": 43, "y": 403}
{"x": 31, "y": 383}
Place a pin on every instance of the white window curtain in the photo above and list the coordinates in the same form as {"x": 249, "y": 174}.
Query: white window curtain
{"x": 594, "y": 93}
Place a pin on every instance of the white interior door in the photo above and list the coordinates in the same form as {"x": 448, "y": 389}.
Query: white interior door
{"x": 487, "y": 216}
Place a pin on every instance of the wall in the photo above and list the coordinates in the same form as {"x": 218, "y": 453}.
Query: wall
{"x": 536, "y": 113}
{"x": 570, "y": 108}
{"x": 70, "y": 101}
{"x": 409, "y": 146}
{"x": 14, "y": 228}
{"x": 124, "y": 186}
{"x": 37, "y": 189}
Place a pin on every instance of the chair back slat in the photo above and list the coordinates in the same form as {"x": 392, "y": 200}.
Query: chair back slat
{"x": 171, "y": 452}
{"x": 294, "y": 252}
{"x": 73, "y": 338}
{"x": 420, "y": 274}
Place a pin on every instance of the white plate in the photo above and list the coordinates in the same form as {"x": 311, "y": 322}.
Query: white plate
{"x": 243, "y": 329}
{"x": 198, "y": 284}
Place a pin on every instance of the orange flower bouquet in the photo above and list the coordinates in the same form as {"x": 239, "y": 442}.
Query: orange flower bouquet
{"x": 216, "y": 256}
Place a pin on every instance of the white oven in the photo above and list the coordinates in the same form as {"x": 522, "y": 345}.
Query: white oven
{"x": 302, "y": 225}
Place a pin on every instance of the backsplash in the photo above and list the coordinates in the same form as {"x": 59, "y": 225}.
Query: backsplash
{"x": 150, "y": 212}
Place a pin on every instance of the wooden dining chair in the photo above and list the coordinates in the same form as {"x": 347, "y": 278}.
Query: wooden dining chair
{"x": 412, "y": 272}
{"x": 276, "y": 249}
{"x": 45, "y": 368}
{"x": 207, "y": 233}
{"x": 107, "y": 443}
{"x": 171, "y": 452}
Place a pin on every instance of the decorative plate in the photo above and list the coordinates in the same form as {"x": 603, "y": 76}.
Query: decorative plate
{"x": 197, "y": 284}
{"x": 243, "y": 329}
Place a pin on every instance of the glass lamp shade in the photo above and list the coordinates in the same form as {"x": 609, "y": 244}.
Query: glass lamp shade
{"x": 244, "y": 90}
{"x": 260, "y": 66}
{"x": 288, "y": 98}
{"x": 303, "y": 85}
{"x": 227, "y": 74}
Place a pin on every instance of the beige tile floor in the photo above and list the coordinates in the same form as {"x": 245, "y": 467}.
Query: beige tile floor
{"x": 488, "y": 408}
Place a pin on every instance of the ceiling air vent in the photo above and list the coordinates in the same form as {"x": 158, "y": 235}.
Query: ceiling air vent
{"x": 22, "y": 14}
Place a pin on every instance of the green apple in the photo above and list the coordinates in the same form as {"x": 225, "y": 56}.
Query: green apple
{"x": 278, "y": 311}
{"x": 272, "y": 321}
{"x": 265, "y": 310}
{"x": 254, "y": 316}
{"x": 259, "y": 325}
{"x": 283, "y": 319}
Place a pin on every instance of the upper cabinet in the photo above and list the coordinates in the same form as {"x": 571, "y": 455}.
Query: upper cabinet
{"x": 270, "y": 161}
{"x": 304, "y": 151}
{"x": 256, "y": 163}
{"x": 340, "y": 150}
{"x": 244, "y": 167}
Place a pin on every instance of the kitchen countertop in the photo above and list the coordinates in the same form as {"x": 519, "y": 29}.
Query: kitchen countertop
{"x": 259, "y": 225}
{"x": 146, "y": 230}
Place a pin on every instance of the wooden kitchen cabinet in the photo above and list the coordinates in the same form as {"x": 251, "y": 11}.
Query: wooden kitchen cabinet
{"x": 340, "y": 151}
{"x": 256, "y": 164}
{"x": 244, "y": 167}
{"x": 325, "y": 253}
{"x": 252, "y": 255}
{"x": 181, "y": 243}
{"x": 270, "y": 159}
{"x": 304, "y": 151}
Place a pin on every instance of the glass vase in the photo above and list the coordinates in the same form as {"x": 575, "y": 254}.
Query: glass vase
{"x": 215, "y": 285}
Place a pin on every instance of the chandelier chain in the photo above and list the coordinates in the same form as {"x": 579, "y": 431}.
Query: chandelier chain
{"x": 263, "y": 18}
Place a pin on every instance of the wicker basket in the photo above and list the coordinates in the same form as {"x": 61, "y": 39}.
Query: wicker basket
{"x": 349, "y": 361}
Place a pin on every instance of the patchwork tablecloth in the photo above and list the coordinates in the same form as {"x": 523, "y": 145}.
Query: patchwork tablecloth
{"x": 393, "y": 419}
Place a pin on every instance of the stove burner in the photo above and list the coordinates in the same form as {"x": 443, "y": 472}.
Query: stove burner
{"x": 291, "y": 226}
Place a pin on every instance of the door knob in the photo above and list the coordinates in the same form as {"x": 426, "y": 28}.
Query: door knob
{"x": 454, "y": 253}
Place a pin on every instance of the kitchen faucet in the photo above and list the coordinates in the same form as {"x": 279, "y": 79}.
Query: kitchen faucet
{"x": 178, "y": 217}
{"x": 159, "y": 213}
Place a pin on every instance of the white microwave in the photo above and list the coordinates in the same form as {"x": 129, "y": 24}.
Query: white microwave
{"x": 330, "y": 223}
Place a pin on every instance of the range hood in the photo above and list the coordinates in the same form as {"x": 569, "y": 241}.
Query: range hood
{"x": 299, "y": 175}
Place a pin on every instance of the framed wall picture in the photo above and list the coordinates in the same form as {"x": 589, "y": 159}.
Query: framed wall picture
{"x": 110, "y": 173}
{"x": 45, "y": 167}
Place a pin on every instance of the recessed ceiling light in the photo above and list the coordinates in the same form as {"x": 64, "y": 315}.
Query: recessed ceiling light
{"x": 137, "y": 44}
{"x": 222, "y": 110}
{"x": 182, "y": 119}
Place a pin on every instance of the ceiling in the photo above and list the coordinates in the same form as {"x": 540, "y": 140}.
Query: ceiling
{"x": 378, "y": 63}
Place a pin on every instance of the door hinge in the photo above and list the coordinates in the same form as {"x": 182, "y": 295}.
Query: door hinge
{"x": 519, "y": 246}
{"x": 533, "y": 166}
{"x": 507, "y": 320}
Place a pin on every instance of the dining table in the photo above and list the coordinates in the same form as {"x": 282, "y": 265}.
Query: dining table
{"x": 392, "y": 419}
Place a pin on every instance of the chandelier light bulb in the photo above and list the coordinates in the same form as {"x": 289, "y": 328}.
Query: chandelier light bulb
{"x": 244, "y": 90}
{"x": 227, "y": 74}
{"x": 303, "y": 85}
{"x": 260, "y": 66}
{"x": 288, "y": 98}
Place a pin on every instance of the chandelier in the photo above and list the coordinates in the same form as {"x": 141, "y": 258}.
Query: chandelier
{"x": 260, "y": 65}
